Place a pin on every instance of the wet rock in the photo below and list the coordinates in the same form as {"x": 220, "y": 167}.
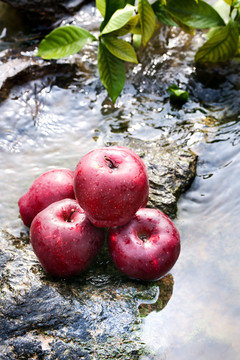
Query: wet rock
{"x": 171, "y": 171}
{"x": 12, "y": 67}
{"x": 98, "y": 314}
{"x": 92, "y": 316}
{"x": 46, "y": 12}
{"x": 18, "y": 68}
{"x": 18, "y": 71}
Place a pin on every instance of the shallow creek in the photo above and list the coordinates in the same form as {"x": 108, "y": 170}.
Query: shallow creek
{"x": 52, "y": 121}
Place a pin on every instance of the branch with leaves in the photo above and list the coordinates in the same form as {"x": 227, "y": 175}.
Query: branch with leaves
{"x": 122, "y": 18}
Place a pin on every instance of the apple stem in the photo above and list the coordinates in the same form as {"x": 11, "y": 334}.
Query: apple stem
{"x": 110, "y": 163}
{"x": 70, "y": 215}
{"x": 143, "y": 237}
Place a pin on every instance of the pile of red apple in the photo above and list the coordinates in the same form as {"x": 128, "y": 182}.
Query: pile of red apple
{"x": 68, "y": 212}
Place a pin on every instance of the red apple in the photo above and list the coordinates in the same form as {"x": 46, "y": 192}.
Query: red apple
{"x": 111, "y": 184}
{"x": 147, "y": 247}
{"x": 63, "y": 238}
{"x": 54, "y": 185}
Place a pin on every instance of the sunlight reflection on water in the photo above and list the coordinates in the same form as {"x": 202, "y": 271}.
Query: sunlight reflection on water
{"x": 202, "y": 318}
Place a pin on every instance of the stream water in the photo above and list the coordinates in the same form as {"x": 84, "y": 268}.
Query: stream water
{"x": 52, "y": 121}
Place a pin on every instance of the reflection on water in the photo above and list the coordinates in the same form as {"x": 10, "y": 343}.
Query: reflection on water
{"x": 51, "y": 121}
{"x": 202, "y": 318}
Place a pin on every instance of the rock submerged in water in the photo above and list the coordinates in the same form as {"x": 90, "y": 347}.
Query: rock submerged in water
{"x": 98, "y": 314}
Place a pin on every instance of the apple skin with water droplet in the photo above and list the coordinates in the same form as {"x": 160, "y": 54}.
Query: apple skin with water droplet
{"x": 64, "y": 240}
{"x": 111, "y": 184}
{"x": 53, "y": 185}
{"x": 147, "y": 247}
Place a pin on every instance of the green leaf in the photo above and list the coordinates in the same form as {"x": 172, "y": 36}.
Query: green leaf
{"x": 220, "y": 47}
{"x": 101, "y": 5}
{"x": 119, "y": 19}
{"x": 127, "y": 28}
{"x": 137, "y": 40}
{"x": 198, "y": 15}
{"x": 111, "y": 71}
{"x": 229, "y": 2}
{"x": 64, "y": 41}
{"x": 121, "y": 49}
{"x": 223, "y": 9}
{"x": 184, "y": 27}
{"x": 213, "y": 31}
{"x": 147, "y": 20}
{"x": 176, "y": 94}
{"x": 137, "y": 28}
{"x": 112, "y": 7}
{"x": 161, "y": 14}
{"x": 238, "y": 50}
{"x": 236, "y": 4}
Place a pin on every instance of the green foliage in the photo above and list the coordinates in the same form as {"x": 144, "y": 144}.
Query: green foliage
{"x": 137, "y": 40}
{"x": 236, "y": 4}
{"x": 139, "y": 20}
{"x": 101, "y": 5}
{"x": 162, "y": 15}
{"x": 229, "y": 2}
{"x": 223, "y": 9}
{"x": 64, "y": 41}
{"x": 111, "y": 7}
{"x": 111, "y": 71}
{"x": 198, "y": 15}
{"x": 188, "y": 29}
{"x": 127, "y": 28}
{"x": 221, "y": 46}
{"x": 120, "y": 18}
{"x": 177, "y": 94}
{"x": 147, "y": 20}
{"x": 121, "y": 49}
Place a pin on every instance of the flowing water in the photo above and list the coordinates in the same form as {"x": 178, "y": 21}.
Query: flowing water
{"x": 51, "y": 121}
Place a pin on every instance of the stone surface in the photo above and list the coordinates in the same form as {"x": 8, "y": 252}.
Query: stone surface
{"x": 13, "y": 67}
{"x": 91, "y": 316}
{"x": 46, "y": 12}
{"x": 170, "y": 170}
{"x": 17, "y": 69}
